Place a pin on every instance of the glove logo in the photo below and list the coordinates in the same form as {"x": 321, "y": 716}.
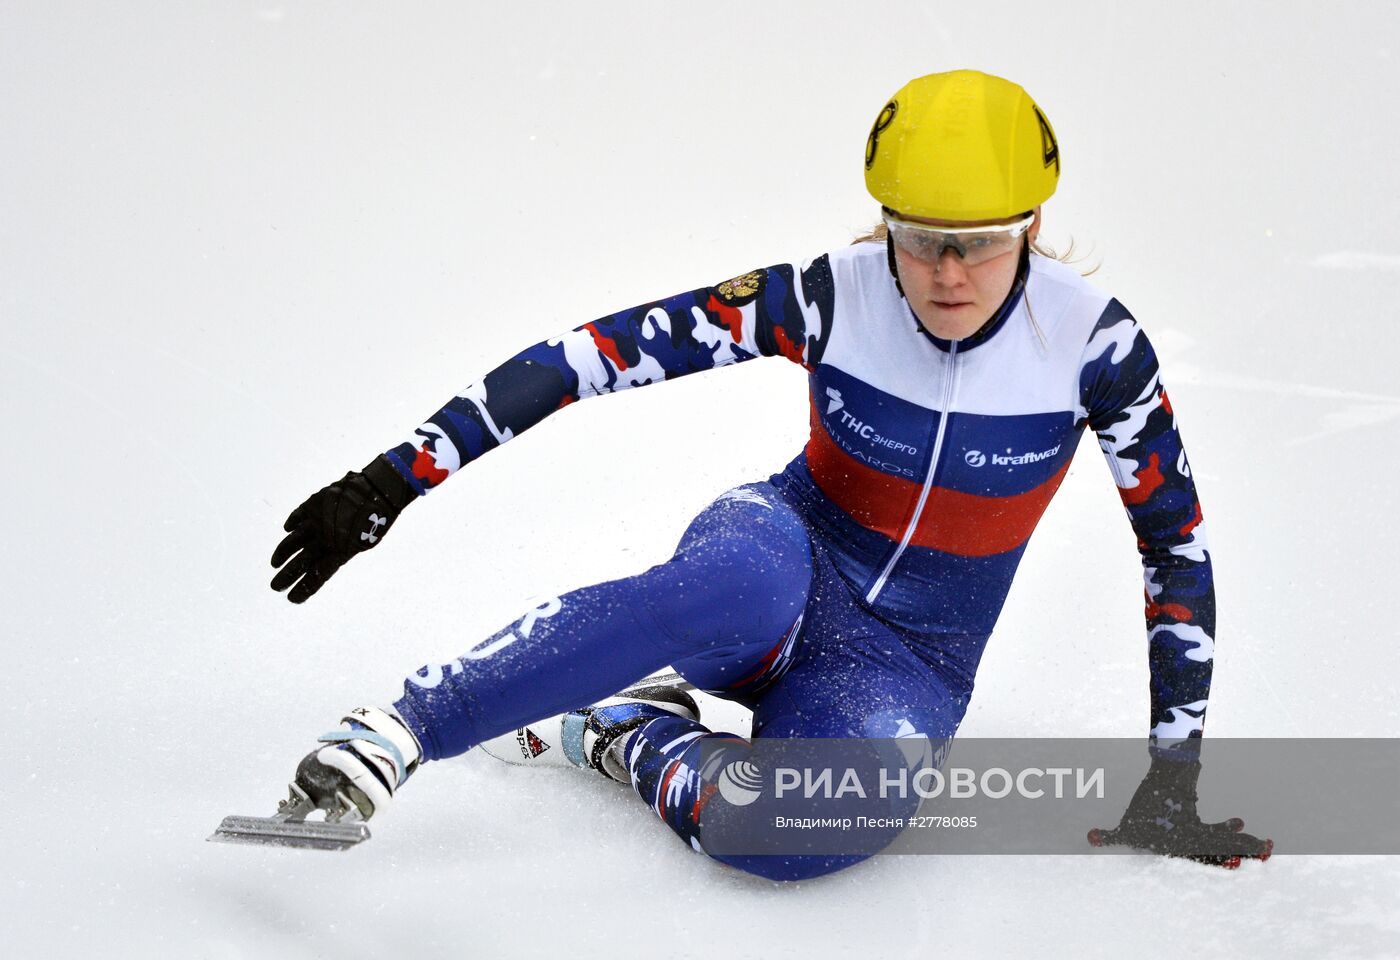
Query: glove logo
{"x": 377, "y": 521}
{"x": 1173, "y": 808}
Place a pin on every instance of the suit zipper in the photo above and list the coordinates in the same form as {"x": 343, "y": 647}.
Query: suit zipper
{"x": 947, "y": 405}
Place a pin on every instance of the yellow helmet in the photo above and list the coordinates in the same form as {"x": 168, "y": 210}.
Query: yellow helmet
{"x": 961, "y": 146}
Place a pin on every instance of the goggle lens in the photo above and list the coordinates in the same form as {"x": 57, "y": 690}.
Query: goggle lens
{"x": 973, "y": 244}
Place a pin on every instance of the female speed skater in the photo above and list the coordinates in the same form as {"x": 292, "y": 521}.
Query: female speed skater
{"x": 952, "y": 369}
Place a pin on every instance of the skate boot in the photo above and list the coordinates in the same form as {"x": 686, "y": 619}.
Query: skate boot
{"x": 591, "y": 737}
{"x": 347, "y": 781}
{"x": 357, "y": 773}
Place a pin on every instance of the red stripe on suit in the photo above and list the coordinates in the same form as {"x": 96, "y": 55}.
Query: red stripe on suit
{"x": 965, "y": 524}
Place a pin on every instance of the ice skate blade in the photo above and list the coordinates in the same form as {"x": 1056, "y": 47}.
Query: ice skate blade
{"x": 299, "y": 834}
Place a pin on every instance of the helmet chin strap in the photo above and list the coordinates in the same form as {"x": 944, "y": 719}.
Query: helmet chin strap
{"x": 1023, "y": 269}
{"x": 894, "y": 269}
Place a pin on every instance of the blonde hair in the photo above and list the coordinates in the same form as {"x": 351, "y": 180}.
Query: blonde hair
{"x": 879, "y": 233}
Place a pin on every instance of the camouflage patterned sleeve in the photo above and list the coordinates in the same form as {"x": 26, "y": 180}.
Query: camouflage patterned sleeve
{"x": 782, "y": 310}
{"x": 1122, "y": 399}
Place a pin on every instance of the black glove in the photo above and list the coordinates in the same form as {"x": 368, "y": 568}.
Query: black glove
{"x": 1162, "y": 818}
{"x": 337, "y": 522}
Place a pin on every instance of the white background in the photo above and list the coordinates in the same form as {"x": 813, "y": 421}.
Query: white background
{"x": 245, "y": 247}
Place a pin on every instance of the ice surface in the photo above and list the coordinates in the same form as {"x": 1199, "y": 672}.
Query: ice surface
{"x": 244, "y": 248}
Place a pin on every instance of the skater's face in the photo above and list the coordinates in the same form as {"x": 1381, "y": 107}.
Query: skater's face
{"x": 951, "y": 297}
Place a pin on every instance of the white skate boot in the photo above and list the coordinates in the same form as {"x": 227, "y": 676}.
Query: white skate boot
{"x": 352, "y": 778}
{"x": 366, "y": 764}
{"x": 582, "y": 738}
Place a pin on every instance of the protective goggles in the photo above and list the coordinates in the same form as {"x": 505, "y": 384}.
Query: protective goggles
{"x": 974, "y": 244}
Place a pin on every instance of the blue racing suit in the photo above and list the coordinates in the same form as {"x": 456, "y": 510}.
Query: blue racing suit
{"x": 852, "y": 594}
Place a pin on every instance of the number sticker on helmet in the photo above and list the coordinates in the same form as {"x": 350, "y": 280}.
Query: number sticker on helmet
{"x": 1047, "y": 141}
{"x": 882, "y": 122}
{"x": 928, "y": 158}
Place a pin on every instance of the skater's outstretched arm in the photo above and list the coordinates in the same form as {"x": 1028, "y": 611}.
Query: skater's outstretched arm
{"x": 1122, "y": 398}
{"x": 783, "y": 310}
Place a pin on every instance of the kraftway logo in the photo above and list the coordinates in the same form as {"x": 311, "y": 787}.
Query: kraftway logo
{"x": 976, "y": 458}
